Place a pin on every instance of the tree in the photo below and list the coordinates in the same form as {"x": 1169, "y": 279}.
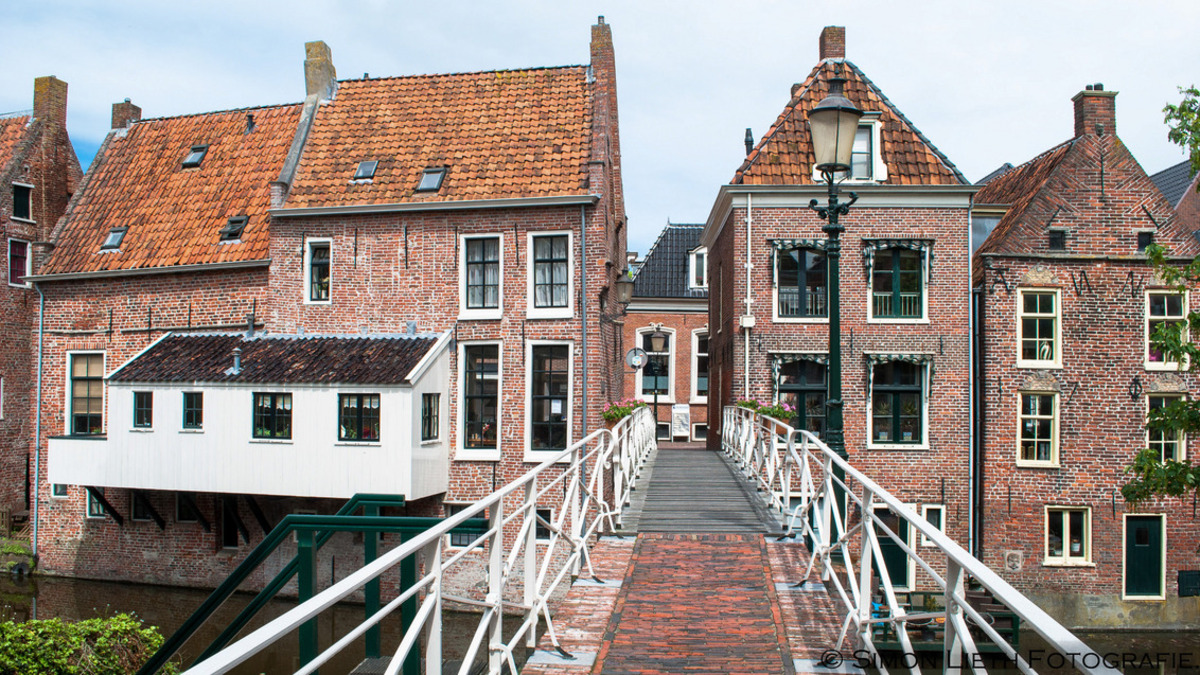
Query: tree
{"x": 1183, "y": 124}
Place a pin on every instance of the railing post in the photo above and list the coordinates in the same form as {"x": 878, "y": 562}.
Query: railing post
{"x": 433, "y": 628}
{"x": 371, "y": 604}
{"x": 306, "y": 585}
{"x": 496, "y": 587}
{"x": 865, "y": 558}
{"x": 531, "y": 561}
{"x": 408, "y": 609}
{"x": 953, "y": 641}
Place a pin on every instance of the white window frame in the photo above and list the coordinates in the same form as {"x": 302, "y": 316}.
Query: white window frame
{"x": 28, "y": 263}
{"x": 1162, "y": 365}
{"x": 133, "y": 427}
{"x": 549, "y": 511}
{"x": 532, "y": 455}
{"x": 1067, "y": 560}
{"x": 925, "y": 509}
{"x": 926, "y": 270}
{"x": 696, "y": 398}
{"x": 669, "y": 397}
{"x": 699, "y": 424}
{"x": 31, "y": 187}
{"x": 879, "y": 171}
{"x": 67, "y": 390}
{"x": 925, "y": 392}
{"x": 530, "y": 310}
{"x": 693, "y": 260}
{"x": 1055, "y": 431}
{"x": 309, "y": 244}
{"x": 1056, "y": 362}
{"x": 485, "y": 313}
{"x": 1182, "y": 454}
{"x": 1162, "y": 580}
{"x": 462, "y": 453}
{"x": 776, "y": 317}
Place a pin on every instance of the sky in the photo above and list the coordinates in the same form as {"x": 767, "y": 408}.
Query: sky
{"x": 986, "y": 82}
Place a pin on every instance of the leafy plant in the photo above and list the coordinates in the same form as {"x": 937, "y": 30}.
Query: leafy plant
{"x": 1183, "y": 122}
{"x": 618, "y": 410}
{"x": 113, "y": 645}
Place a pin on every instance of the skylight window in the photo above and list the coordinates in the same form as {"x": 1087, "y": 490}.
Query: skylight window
{"x": 114, "y": 238}
{"x": 233, "y": 228}
{"x": 195, "y": 156}
{"x": 366, "y": 170}
{"x": 431, "y": 180}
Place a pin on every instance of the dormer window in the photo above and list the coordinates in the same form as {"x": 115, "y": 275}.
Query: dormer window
{"x": 366, "y": 170}
{"x": 22, "y": 201}
{"x": 114, "y": 238}
{"x": 431, "y": 180}
{"x": 861, "y": 157}
{"x": 233, "y": 228}
{"x": 866, "y": 159}
{"x": 698, "y": 268}
{"x": 195, "y": 156}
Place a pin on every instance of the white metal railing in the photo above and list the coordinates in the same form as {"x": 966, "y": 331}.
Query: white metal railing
{"x": 795, "y": 473}
{"x": 590, "y": 482}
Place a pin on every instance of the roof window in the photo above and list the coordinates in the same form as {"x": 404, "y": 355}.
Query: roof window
{"x": 1144, "y": 239}
{"x": 233, "y": 228}
{"x": 431, "y": 180}
{"x": 195, "y": 156}
{"x": 366, "y": 170}
{"x": 114, "y": 238}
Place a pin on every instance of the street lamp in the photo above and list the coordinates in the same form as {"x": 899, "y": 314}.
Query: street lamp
{"x": 834, "y": 122}
{"x": 624, "y": 288}
{"x": 658, "y": 344}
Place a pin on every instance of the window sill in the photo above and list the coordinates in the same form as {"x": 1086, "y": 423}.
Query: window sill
{"x": 272, "y": 441}
{"x": 1067, "y": 563}
{"x": 1143, "y": 598}
{"x": 1037, "y": 465}
{"x": 141, "y": 430}
{"x": 1039, "y": 365}
{"x": 432, "y": 441}
{"x": 191, "y": 431}
{"x": 698, "y": 400}
{"x": 309, "y": 301}
{"x": 480, "y": 315}
{"x": 471, "y": 455}
{"x": 1162, "y": 367}
{"x": 23, "y": 220}
{"x": 798, "y": 319}
{"x": 897, "y": 446}
{"x": 358, "y": 444}
{"x": 662, "y": 399}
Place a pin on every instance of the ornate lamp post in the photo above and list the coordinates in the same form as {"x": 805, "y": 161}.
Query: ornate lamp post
{"x": 834, "y": 122}
{"x": 658, "y": 344}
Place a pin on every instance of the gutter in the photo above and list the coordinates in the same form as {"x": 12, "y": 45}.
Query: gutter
{"x": 462, "y": 205}
{"x": 174, "y": 269}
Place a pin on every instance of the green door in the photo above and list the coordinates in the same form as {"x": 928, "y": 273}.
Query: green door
{"x": 895, "y": 560}
{"x": 1143, "y": 555}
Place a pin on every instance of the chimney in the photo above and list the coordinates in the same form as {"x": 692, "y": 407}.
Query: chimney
{"x": 124, "y": 114}
{"x": 1095, "y": 111}
{"x": 320, "y": 77}
{"x": 833, "y": 42}
{"x": 749, "y": 140}
{"x": 50, "y": 100}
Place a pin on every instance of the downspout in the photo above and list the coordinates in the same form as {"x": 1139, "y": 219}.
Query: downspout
{"x": 972, "y": 300}
{"x": 37, "y": 416}
{"x": 583, "y": 309}
{"x": 749, "y": 271}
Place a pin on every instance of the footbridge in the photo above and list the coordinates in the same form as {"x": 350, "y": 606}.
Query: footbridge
{"x": 619, "y": 556}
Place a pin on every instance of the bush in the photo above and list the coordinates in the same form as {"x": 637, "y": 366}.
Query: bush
{"x": 116, "y": 645}
{"x": 618, "y": 410}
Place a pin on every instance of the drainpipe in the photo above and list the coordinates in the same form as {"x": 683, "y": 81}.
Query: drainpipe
{"x": 37, "y": 416}
{"x": 583, "y": 309}
{"x": 972, "y": 299}
{"x": 749, "y": 271}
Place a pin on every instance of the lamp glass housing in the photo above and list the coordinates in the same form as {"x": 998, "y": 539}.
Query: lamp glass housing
{"x": 624, "y": 288}
{"x": 658, "y": 341}
{"x": 833, "y": 123}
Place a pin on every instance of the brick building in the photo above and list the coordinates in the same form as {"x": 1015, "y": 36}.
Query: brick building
{"x": 38, "y": 174}
{"x": 430, "y": 255}
{"x": 670, "y": 291}
{"x": 1067, "y": 375}
{"x": 905, "y": 292}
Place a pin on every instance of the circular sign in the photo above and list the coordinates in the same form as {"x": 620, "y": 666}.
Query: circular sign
{"x": 636, "y": 358}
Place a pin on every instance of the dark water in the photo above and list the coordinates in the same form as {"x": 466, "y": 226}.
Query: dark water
{"x": 168, "y": 607}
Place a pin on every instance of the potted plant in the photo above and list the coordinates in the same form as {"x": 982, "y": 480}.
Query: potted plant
{"x": 616, "y": 411}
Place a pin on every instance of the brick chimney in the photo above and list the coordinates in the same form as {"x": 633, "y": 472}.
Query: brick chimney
{"x": 1095, "y": 111}
{"x": 833, "y": 42}
{"x": 50, "y": 100}
{"x": 320, "y": 77}
{"x": 124, "y": 114}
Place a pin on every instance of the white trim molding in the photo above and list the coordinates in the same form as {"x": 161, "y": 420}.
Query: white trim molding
{"x": 462, "y": 453}
{"x": 484, "y": 313}
{"x": 539, "y": 456}
{"x": 531, "y": 311}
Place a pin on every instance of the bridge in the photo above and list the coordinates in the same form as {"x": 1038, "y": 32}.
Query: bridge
{"x": 767, "y": 557}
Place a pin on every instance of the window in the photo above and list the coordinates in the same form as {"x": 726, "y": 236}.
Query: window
{"x": 272, "y": 416}
{"x": 481, "y": 278}
{"x": 114, "y": 239}
{"x": 551, "y": 282}
{"x": 358, "y": 417}
{"x": 896, "y": 284}
{"x": 936, "y": 515}
{"x": 143, "y": 409}
{"x": 233, "y": 228}
{"x": 1057, "y": 240}
{"x": 897, "y": 415}
{"x": 19, "y": 262}
{"x": 544, "y": 518}
{"x": 22, "y": 202}
{"x": 139, "y": 509}
{"x": 1144, "y": 239}
{"x": 663, "y": 431}
{"x": 87, "y": 394}
{"x": 193, "y": 410}
{"x": 58, "y": 490}
{"x": 365, "y": 170}
{"x": 430, "y": 416}
{"x": 229, "y": 522}
{"x": 317, "y": 270}
{"x": 195, "y": 156}
{"x": 1164, "y": 309}
{"x": 802, "y": 384}
{"x": 698, "y": 268}
{"x": 655, "y": 377}
{"x": 549, "y": 396}
{"x": 1039, "y": 429}
{"x": 1068, "y": 535}
{"x": 481, "y": 396}
{"x": 1039, "y": 329}
{"x": 94, "y": 508}
{"x": 184, "y": 513}
{"x": 700, "y": 367}
{"x": 457, "y": 539}
{"x": 862, "y": 159}
{"x": 1168, "y": 443}
{"x": 431, "y": 180}
{"x": 699, "y": 432}
{"x": 801, "y": 288}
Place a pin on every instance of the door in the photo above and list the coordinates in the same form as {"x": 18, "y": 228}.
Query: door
{"x": 1144, "y": 556}
{"x": 895, "y": 560}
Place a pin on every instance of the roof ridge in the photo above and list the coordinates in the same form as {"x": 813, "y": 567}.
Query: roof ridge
{"x": 653, "y": 247}
{"x": 218, "y": 112}
{"x": 1023, "y": 165}
{"x": 466, "y": 72}
{"x": 774, "y": 129}
{"x": 13, "y": 114}
{"x": 900, "y": 113}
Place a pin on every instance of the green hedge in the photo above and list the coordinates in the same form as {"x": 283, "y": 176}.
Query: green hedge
{"x": 117, "y": 645}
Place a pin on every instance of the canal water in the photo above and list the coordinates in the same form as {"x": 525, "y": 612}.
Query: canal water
{"x": 167, "y": 608}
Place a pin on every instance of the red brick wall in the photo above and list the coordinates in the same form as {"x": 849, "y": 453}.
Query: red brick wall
{"x": 683, "y": 325}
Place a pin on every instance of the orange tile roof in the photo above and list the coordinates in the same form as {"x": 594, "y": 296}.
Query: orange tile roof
{"x": 12, "y": 132}
{"x": 174, "y": 214}
{"x": 502, "y": 134}
{"x": 784, "y": 154}
{"x": 1017, "y": 188}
